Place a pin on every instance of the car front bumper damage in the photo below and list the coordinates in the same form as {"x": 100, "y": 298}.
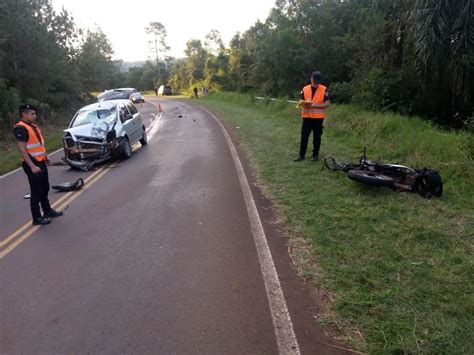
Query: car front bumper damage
{"x": 85, "y": 153}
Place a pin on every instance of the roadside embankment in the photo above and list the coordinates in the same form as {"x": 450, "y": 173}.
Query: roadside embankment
{"x": 399, "y": 268}
{"x": 9, "y": 156}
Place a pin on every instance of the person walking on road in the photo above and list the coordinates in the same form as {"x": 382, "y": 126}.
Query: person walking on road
{"x": 31, "y": 146}
{"x": 313, "y": 112}
{"x": 195, "y": 90}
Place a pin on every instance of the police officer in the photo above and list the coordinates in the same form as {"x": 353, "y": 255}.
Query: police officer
{"x": 313, "y": 115}
{"x": 30, "y": 144}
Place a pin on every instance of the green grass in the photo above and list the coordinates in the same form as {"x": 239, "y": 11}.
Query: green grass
{"x": 400, "y": 268}
{"x": 9, "y": 156}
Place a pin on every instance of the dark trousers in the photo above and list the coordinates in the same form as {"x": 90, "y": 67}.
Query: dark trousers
{"x": 39, "y": 187}
{"x": 315, "y": 126}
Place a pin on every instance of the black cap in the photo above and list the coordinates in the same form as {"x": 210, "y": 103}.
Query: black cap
{"x": 24, "y": 107}
{"x": 316, "y": 76}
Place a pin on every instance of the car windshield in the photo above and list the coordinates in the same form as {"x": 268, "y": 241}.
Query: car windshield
{"x": 94, "y": 116}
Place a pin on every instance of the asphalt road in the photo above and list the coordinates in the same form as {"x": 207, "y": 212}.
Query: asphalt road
{"x": 155, "y": 255}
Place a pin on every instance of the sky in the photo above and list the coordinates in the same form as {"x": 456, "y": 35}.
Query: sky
{"x": 124, "y": 22}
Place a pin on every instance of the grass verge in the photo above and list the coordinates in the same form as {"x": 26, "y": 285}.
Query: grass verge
{"x": 9, "y": 156}
{"x": 400, "y": 268}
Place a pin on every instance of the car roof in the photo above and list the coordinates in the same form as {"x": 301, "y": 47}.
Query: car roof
{"x": 104, "y": 104}
{"x": 125, "y": 89}
{"x": 117, "y": 89}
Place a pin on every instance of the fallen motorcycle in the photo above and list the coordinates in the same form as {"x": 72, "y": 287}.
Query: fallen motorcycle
{"x": 427, "y": 182}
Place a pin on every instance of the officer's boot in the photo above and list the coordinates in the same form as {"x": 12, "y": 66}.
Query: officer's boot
{"x": 48, "y": 211}
{"x": 41, "y": 221}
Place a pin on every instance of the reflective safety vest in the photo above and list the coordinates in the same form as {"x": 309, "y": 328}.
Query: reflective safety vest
{"x": 313, "y": 112}
{"x": 34, "y": 146}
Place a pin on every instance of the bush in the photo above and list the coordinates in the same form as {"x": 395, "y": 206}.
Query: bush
{"x": 9, "y": 102}
{"x": 341, "y": 93}
{"x": 381, "y": 90}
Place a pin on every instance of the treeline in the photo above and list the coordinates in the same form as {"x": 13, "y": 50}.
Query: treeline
{"x": 414, "y": 57}
{"x": 45, "y": 59}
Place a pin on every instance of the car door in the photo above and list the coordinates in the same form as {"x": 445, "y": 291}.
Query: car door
{"x": 129, "y": 125}
{"x": 137, "y": 121}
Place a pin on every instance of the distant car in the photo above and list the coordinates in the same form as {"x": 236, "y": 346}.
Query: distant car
{"x": 137, "y": 97}
{"x": 165, "y": 90}
{"x": 116, "y": 94}
{"x": 102, "y": 130}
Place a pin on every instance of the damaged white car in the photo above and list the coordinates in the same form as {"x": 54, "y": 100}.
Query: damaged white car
{"x": 102, "y": 130}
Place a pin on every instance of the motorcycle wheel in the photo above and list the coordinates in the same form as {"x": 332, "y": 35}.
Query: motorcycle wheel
{"x": 330, "y": 163}
{"x": 369, "y": 178}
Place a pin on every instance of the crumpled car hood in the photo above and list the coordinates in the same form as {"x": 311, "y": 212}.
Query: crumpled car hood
{"x": 94, "y": 130}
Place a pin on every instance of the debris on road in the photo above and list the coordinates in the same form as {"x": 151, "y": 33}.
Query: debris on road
{"x": 69, "y": 186}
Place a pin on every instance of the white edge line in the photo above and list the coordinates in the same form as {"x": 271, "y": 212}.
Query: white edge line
{"x": 283, "y": 327}
{"x": 153, "y": 128}
{"x": 158, "y": 115}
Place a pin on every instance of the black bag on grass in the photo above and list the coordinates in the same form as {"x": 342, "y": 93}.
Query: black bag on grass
{"x": 429, "y": 183}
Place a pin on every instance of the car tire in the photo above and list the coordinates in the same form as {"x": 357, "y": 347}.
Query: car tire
{"x": 144, "y": 139}
{"x": 125, "y": 148}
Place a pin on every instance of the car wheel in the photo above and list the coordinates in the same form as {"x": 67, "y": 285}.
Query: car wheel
{"x": 125, "y": 148}
{"x": 144, "y": 140}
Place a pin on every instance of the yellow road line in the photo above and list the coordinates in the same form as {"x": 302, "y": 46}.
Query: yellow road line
{"x": 27, "y": 224}
{"x": 54, "y": 205}
{"x": 77, "y": 193}
{"x": 61, "y": 203}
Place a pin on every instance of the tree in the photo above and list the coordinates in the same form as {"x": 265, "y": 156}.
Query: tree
{"x": 239, "y": 63}
{"x": 443, "y": 35}
{"x": 95, "y": 61}
{"x": 178, "y": 77}
{"x": 196, "y": 60}
{"x": 213, "y": 43}
{"x": 414, "y": 57}
{"x": 36, "y": 51}
{"x": 158, "y": 43}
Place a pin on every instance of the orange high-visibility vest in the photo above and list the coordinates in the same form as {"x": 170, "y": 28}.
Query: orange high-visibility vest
{"x": 313, "y": 112}
{"x": 34, "y": 146}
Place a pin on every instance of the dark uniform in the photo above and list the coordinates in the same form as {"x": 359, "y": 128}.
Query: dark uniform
{"x": 311, "y": 125}
{"x": 29, "y": 134}
{"x": 39, "y": 182}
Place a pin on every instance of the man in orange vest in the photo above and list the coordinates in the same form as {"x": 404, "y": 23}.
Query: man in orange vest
{"x": 30, "y": 144}
{"x": 313, "y": 113}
